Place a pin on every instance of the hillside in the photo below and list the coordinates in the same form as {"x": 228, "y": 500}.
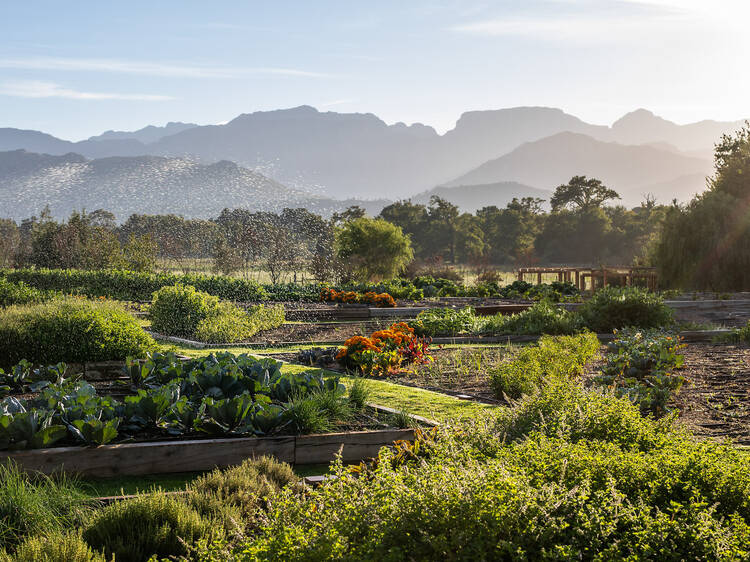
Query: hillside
{"x": 358, "y": 155}
{"x": 469, "y": 198}
{"x": 630, "y": 170}
{"x": 146, "y": 184}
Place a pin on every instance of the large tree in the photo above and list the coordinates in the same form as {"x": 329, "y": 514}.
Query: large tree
{"x": 706, "y": 244}
{"x": 374, "y": 248}
{"x": 582, "y": 193}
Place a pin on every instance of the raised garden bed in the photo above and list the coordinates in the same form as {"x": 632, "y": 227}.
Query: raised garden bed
{"x": 203, "y": 454}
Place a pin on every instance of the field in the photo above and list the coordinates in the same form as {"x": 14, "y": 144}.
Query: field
{"x": 510, "y": 414}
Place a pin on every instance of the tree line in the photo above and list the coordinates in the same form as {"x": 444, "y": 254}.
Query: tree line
{"x": 296, "y": 244}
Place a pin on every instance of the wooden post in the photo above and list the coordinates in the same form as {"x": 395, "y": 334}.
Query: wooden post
{"x": 604, "y": 277}
{"x": 560, "y": 276}
{"x": 578, "y": 280}
{"x": 539, "y": 278}
{"x": 520, "y": 274}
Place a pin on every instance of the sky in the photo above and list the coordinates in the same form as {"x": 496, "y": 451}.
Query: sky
{"x": 76, "y": 69}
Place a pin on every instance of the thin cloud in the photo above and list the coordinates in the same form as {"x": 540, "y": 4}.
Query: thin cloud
{"x": 336, "y": 102}
{"x": 37, "y": 89}
{"x": 143, "y": 67}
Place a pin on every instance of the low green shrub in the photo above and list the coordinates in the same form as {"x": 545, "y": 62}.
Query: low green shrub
{"x": 56, "y": 547}
{"x": 445, "y": 321}
{"x": 566, "y": 474}
{"x": 614, "y": 308}
{"x": 738, "y": 335}
{"x": 21, "y": 293}
{"x": 541, "y": 318}
{"x": 552, "y": 358}
{"x": 154, "y": 524}
{"x": 35, "y": 506}
{"x": 133, "y": 285}
{"x": 236, "y": 496}
{"x": 183, "y": 311}
{"x": 71, "y": 330}
{"x": 641, "y": 365}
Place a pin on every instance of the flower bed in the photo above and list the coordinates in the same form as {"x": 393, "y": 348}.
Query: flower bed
{"x": 381, "y": 300}
{"x": 384, "y": 351}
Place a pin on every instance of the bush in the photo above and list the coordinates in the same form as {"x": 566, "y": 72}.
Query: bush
{"x": 20, "y": 293}
{"x": 235, "y": 496}
{"x": 181, "y": 310}
{"x": 541, "y": 318}
{"x": 588, "y": 478}
{"x": 35, "y": 506}
{"x": 132, "y": 285}
{"x": 70, "y": 330}
{"x": 614, "y": 308}
{"x": 445, "y": 321}
{"x": 56, "y": 547}
{"x": 153, "y": 524}
{"x": 552, "y": 358}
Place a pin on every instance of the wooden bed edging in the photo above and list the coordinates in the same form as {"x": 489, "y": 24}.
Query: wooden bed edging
{"x": 155, "y": 457}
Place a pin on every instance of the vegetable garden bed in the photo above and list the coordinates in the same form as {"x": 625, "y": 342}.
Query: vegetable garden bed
{"x": 203, "y": 454}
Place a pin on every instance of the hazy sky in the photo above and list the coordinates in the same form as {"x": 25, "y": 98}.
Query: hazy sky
{"x": 75, "y": 69}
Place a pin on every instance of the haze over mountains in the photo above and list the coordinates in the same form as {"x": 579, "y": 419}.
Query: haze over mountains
{"x": 303, "y": 154}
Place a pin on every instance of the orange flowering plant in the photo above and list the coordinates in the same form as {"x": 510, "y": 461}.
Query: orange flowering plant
{"x": 384, "y": 351}
{"x": 381, "y": 300}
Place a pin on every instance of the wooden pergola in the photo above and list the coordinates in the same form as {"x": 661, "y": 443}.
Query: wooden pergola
{"x": 597, "y": 278}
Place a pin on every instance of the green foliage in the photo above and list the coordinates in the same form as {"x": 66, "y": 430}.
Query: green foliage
{"x": 582, "y": 193}
{"x": 614, "y": 308}
{"x": 222, "y": 394}
{"x": 177, "y": 310}
{"x": 56, "y": 547}
{"x": 133, "y": 285}
{"x": 31, "y": 507}
{"x": 153, "y": 524}
{"x": 541, "y": 318}
{"x": 738, "y": 335}
{"x": 640, "y": 366}
{"x": 565, "y": 474}
{"x": 561, "y": 357}
{"x": 445, "y": 321}
{"x": 359, "y": 393}
{"x": 236, "y": 496}
{"x": 71, "y": 330}
{"x": 373, "y": 248}
{"x": 181, "y": 310}
{"x": 20, "y": 293}
{"x": 705, "y": 244}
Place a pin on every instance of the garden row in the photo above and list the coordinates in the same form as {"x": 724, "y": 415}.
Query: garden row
{"x": 564, "y": 473}
{"x": 139, "y": 286}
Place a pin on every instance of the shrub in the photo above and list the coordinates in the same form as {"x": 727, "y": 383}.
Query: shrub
{"x": 70, "y": 330}
{"x": 153, "y": 524}
{"x": 641, "y": 366}
{"x": 552, "y": 358}
{"x": 181, "y": 310}
{"x": 56, "y": 547}
{"x": 614, "y": 308}
{"x": 590, "y": 480}
{"x": 132, "y": 285}
{"x": 20, "y": 293}
{"x": 445, "y": 321}
{"x": 541, "y": 318}
{"x": 39, "y": 505}
{"x": 236, "y": 495}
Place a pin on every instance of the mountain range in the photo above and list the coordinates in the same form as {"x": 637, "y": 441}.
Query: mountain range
{"x": 322, "y": 156}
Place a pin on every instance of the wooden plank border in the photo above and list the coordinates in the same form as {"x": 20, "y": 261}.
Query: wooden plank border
{"x": 160, "y": 457}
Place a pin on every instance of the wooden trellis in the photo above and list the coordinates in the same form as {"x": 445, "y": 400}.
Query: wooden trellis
{"x": 589, "y": 278}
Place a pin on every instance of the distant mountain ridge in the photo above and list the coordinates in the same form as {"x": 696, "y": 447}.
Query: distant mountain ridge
{"x": 357, "y": 155}
{"x": 144, "y": 184}
{"x": 632, "y": 171}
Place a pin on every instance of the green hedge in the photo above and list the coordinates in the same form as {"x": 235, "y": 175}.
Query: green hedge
{"x": 132, "y": 285}
{"x": 181, "y": 310}
{"x": 72, "y": 330}
{"x": 20, "y": 293}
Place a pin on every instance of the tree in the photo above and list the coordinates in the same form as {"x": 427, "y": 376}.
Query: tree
{"x": 375, "y": 248}
{"x": 442, "y": 217}
{"x": 139, "y": 253}
{"x": 705, "y": 245}
{"x": 582, "y": 193}
{"x": 349, "y": 214}
{"x": 10, "y": 242}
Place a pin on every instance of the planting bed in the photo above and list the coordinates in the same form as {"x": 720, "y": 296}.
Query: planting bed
{"x": 716, "y": 401}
